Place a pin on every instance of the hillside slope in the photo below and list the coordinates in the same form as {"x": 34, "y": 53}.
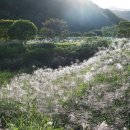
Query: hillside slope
{"x": 83, "y": 95}
{"x": 80, "y": 17}
{"x": 123, "y": 14}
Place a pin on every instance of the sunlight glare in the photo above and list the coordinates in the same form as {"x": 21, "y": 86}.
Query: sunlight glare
{"x": 123, "y": 4}
{"x": 82, "y": 1}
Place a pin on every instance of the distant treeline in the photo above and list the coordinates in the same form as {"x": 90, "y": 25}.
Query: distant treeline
{"x": 25, "y": 30}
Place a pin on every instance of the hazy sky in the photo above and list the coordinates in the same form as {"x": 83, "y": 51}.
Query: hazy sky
{"x": 123, "y": 4}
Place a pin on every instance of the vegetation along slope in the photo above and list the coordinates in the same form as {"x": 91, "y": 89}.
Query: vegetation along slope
{"x": 89, "y": 95}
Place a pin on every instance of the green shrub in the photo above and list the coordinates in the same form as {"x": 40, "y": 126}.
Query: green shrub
{"x": 15, "y": 119}
{"x": 5, "y": 77}
{"x": 90, "y": 46}
{"x": 18, "y": 57}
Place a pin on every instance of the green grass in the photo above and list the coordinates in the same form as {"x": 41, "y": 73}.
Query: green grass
{"x": 5, "y": 77}
{"x": 14, "y": 118}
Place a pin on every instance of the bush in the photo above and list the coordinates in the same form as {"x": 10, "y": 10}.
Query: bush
{"x": 22, "y": 30}
{"x": 90, "y": 46}
{"x": 18, "y": 57}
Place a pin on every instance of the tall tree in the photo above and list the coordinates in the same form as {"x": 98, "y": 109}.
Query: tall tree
{"x": 54, "y": 27}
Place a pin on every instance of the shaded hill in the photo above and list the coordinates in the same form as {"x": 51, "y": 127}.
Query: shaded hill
{"x": 123, "y": 14}
{"x": 80, "y": 16}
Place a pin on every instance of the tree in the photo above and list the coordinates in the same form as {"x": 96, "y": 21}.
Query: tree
{"x": 110, "y": 31}
{"x": 4, "y": 26}
{"x": 124, "y": 29}
{"x": 46, "y": 33}
{"x": 22, "y": 30}
{"x": 54, "y": 27}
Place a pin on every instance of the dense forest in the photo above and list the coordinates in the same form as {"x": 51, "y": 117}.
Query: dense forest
{"x": 79, "y": 17}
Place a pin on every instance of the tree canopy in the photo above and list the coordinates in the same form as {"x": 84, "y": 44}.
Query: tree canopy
{"x": 4, "y": 26}
{"x": 22, "y": 30}
{"x": 110, "y": 31}
{"x": 54, "y": 27}
{"x": 124, "y": 29}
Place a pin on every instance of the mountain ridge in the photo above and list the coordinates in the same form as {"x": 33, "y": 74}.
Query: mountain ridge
{"x": 125, "y": 14}
{"x": 80, "y": 17}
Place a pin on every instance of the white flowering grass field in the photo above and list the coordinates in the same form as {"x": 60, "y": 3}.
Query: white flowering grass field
{"x": 92, "y": 95}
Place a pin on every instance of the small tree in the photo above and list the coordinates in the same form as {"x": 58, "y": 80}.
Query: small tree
{"x": 111, "y": 31}
{"x": 22, "y": 30}
{"x": 54, "y": 27}
{"x": 124, "y": 29}
{"x": 4, "y": 26}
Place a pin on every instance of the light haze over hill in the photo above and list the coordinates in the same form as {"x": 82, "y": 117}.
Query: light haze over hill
{"x": 81, "y": 15}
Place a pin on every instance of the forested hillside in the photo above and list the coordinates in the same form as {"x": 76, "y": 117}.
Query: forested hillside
{"x": 80, "y": 17}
